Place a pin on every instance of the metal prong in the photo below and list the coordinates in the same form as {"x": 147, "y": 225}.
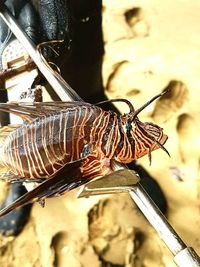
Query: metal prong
{"x": 116, "y": 182}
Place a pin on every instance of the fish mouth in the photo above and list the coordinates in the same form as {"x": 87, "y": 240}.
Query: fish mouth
{"x": 155, "y": 132}
{"x": 162, "y": 140}
{"x": 159, "y": 143}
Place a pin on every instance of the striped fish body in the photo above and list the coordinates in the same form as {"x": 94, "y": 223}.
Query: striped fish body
{"x": 40, "y": 148}
{"x": 64, "y": 144}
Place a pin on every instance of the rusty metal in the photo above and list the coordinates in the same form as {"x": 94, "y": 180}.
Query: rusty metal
{"x": 12, "y": 72}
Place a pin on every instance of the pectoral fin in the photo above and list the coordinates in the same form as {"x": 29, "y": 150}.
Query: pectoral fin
{"x": 13, "y": 178}
{"x": 53, "y": 186}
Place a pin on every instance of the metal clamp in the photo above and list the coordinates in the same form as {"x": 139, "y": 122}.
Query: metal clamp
{"x": 121, "y": 181}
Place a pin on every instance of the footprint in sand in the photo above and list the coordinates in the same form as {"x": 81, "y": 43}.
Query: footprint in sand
{"x": 188, "y": 137}
{"x": 117, "y": 68}
{"x": 189, "y": 143}
{"x": 62, "y": 246}
{"x": 120, "y": 80}
{"x": 135, "y": 18}
{"x": 112, "y": 241}
{"x": 170, "y": 103}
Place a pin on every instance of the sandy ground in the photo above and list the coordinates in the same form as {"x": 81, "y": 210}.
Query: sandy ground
{"x": 148, "y": 44}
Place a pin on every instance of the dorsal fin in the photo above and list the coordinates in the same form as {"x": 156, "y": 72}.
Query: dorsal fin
{"x": 30, "y": 111}
{"x": 6, "y": 130}
{"x": 17, "y": 109}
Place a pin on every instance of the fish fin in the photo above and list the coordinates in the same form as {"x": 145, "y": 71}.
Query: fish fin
{"x": 13, "y": 178}
{"x": 67, "y": 178}
{"x": 5, "y": 131}
{"x": 9, "y": 177}
{"x": 42, "y": 202}
{"x": 50, "y": 187}
{"x": 30, "y": 111}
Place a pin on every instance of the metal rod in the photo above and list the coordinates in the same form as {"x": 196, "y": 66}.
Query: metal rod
{"x": 157, "y": 220}
{"x": 138, "y": 194}
{"x": 154, "y": 216}
{"x": 184, "y": 256}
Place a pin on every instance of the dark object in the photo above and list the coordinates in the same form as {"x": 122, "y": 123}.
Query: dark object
{"x": 55, "y": 24}
{"x": 13, "y": 223}
{"x": 151, "y": 186}
{"x": 83, "y": 56}
{"x": 4, "y": 117}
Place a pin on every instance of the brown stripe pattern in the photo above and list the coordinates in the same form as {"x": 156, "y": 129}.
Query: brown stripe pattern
{"x": 40, "y": 148}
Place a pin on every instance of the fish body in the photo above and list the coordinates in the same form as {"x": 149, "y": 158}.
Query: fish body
{"x": 61, "y": 145}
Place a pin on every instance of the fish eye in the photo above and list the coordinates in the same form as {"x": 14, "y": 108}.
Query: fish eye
{"x": 128, "y": 127}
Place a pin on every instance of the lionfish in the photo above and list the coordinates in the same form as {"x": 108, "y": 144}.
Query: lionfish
{"x": 61, "y": 145}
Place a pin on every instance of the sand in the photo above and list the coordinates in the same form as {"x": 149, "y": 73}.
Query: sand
{"x": 148, "y": 46}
